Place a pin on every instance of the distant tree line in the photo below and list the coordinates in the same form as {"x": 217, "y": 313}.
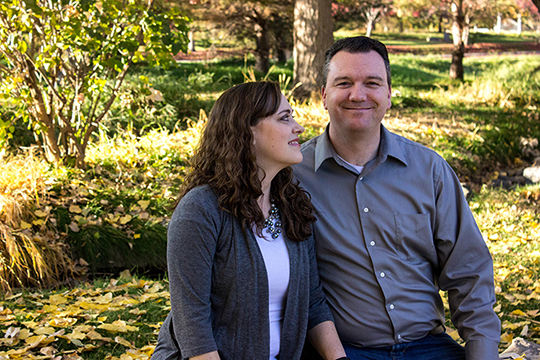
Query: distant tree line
{"x": 301, "y": 27}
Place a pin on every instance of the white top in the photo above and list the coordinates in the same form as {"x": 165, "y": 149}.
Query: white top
{"x": 359, "y": 168}
{"x": 276, "y": 260}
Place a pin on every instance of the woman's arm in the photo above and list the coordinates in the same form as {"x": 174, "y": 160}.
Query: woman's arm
{"x": 191, "y": 246}
{"x": 208, "y": 356}
{"x": 325, "y": 340}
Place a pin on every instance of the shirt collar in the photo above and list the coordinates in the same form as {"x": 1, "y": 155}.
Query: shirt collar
{"x": 388, "y": 147}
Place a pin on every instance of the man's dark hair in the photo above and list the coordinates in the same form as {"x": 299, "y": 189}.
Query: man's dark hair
{"x": 357, "y": 44}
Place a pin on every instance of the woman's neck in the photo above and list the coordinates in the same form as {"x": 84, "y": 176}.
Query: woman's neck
{"x": 264, "y": 199}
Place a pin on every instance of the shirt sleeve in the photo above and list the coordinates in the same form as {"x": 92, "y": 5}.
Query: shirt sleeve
{"x": 465, "y": 269}
{"x": 192, "y": 237}
{"x": 318, "y": 307}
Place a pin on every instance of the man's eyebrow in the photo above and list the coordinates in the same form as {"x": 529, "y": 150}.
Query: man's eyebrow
{"x": 339, "y": 78}
{"x": 375, "y": 77}
{"x": 370, "y": 77}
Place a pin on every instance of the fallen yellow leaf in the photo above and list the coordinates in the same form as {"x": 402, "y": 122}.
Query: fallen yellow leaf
{"x": 38, "y": 222}
{"x": 75, "y": 209}
{"x": 123, "y": 341}
{"x": 118, "y": 326}
{"x": 62, "y": 322}
{"x": 57, "y": 299}
{"x": 125, "y": 219}
{"x": 507, "y": 338}
{"x": 40, "y": 213}
{"x": 143, "y": 203}
{"x": 44, "y": 330}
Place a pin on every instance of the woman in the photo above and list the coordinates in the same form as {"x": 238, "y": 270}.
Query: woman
{"x": 241, "y": 263}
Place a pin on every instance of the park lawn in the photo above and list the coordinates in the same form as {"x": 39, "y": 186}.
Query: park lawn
{"x": 477, "y": 126}
{"x": 119, "y": 318}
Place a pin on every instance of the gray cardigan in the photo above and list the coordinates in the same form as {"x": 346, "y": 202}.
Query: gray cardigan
{"x": 219, "y": 288}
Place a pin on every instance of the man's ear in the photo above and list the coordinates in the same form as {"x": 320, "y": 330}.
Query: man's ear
{"x": 323, "y": 95}
{"x": 389, "y": 97}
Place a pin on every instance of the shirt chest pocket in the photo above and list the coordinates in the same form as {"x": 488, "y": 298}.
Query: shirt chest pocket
{"x": 414, "y": 238}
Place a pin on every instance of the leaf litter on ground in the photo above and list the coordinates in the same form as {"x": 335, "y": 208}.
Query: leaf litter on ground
{"x": 108, "y": 318}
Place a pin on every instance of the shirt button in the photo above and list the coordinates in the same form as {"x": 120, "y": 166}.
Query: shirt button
{"x": 399, "y": 336}
{"x": 383, "y": 274}
{"x": 372, "y": 243}
{"x": 391, "y": 306}
{"x": 362, "y": 178}
{"x": 366, "y": 209}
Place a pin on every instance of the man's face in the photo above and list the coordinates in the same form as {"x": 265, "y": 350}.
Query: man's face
{"x": 356, "y": 94}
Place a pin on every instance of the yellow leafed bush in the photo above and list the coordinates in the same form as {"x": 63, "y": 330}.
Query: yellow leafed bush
{"x": 30, "y": 253}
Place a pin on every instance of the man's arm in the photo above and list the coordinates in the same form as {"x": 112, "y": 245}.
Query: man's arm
{"x": 325, "y": 340}
{"x": 208, "y": 356}
{"x": 465, "y": 270}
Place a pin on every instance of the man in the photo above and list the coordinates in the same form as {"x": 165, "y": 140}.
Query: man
{"x": 393, "y": 227}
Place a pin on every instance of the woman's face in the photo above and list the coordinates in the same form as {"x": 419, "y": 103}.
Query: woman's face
{"x": 275, "y": 139}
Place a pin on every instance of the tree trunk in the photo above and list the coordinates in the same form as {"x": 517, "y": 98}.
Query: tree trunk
{"x": 466, "y": 30}
{"x": 371, "y": 15}
{"x": 456, "y": 68}
{"x": 281, "y": 33}
{"x": 369, "y": 27}
{"x": 191, "y": 37}
{"x": 313, "y": 35}
{"x": 262, "y": 51}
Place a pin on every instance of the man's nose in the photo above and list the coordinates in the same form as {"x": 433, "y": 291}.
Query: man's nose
{"x": 358, "y": 93}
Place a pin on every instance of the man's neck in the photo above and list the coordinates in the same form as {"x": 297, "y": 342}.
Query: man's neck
{"x": 357, "y": 148}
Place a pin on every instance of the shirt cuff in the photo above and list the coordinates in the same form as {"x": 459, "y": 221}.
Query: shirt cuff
{"x": 482, "y": 350}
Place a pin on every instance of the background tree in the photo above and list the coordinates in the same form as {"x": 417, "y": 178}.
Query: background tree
{"x": 62, "y": 64}
{"x": 420, "y": 13}
{"x": 313, "y": 34}
{"x": 373, "y": 12}
{"x": 370, "y": 12}
{"x": 458, "y": 24}
{"x": 529, "y": 11}
{"x": 536, "y": 4}
{"x": 265, "y": 22}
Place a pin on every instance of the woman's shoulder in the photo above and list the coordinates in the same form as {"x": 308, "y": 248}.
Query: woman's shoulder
{"x": 201, "y": 199}
{"x": 200, "y": 193}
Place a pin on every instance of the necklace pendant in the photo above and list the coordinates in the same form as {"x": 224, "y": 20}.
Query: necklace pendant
{"x": 271, "y": 226}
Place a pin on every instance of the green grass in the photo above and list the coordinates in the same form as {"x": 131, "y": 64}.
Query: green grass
{"x": 419, "y": 37}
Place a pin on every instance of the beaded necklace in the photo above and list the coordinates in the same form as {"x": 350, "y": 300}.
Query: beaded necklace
{"x": 274, "y": 228}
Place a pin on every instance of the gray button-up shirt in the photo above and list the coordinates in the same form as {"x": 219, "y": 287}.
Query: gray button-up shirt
{"x": 389, "y": 238}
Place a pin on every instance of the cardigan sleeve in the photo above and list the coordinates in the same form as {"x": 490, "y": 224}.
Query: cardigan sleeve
{"x": 192, "y": 237}
{"x": 318, "y": 307}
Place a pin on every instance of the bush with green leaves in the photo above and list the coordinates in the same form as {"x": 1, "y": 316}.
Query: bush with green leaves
{"x": 62, "y": 63}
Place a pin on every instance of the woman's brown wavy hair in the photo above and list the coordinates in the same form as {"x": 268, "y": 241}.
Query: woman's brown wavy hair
{"x": 225, "y": 160}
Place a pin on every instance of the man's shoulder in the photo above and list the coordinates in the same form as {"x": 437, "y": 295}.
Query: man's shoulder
{"x": 310, "y": 144}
